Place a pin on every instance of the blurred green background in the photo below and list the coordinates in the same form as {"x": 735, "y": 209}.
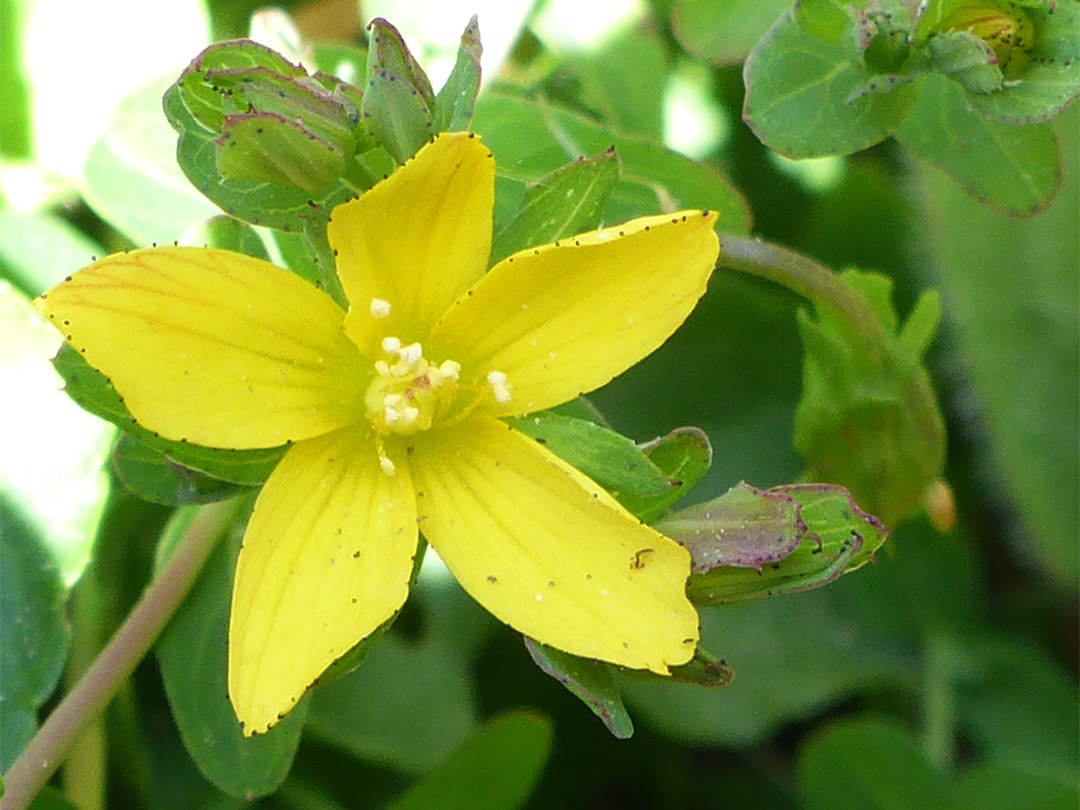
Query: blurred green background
{"x": 943, "y": 676}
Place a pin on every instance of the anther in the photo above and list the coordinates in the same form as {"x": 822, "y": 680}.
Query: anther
{"x": 379, "y": 308}
{"x": 500, "y": 387}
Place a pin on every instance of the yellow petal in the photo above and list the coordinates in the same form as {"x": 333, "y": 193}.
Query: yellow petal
{"x": 562, "y": 320}
{"x": 326, "y": 559}
{"x": 548, "y": 552}
{"x": 416, "y": 241}
{"x": 213, "y": 347}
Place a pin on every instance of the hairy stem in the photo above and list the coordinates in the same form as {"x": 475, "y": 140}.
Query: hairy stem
{"x": 29, "y": 773}
{"x": 805, "y": 277}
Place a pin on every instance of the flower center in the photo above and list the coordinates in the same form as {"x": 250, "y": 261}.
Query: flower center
{"x": 408, "y": 391}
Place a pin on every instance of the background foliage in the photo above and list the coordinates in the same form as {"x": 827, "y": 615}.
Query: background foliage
{"x": 943, "y": 676}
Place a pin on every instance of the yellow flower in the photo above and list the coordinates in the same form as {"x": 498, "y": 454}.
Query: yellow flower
{"x": 393, "y": 408}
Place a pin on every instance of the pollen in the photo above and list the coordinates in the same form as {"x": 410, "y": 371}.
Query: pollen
{"x": 380, "y": 308}
{"x": 499, "y": 386}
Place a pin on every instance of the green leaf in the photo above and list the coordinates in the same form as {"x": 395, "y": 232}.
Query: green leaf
{"x": 744, "y": 527}
{"x": 624, "y": 81}
{"x": 825, "y": 19}
{"x": 38, "y": 249}
{"x": 131, "y": 179}
{"x": 612, "y": 460}
{"x": 866, "y": 764}
{"x": 1005, "y": 786}
{"x": 1041, "y": 86}
{"x": 93, "y": 392}
{"x": 805, "y": 97}
{"x": 495, "y": 769}
{"x": 152, "y": 476}
{"x": 839, "y": 538}
{"x": 395, "y": 115}
{"x": 192, "y": 653}
{"x": 456, "y": 101}
{"x": 868, "y": 418}
{"x": 412, "y": 699}
{"x": 684, "y": 455}
{"x": 34, "y": 635}
{"x": 1014, "y": 170}
{"x": 54, "y": 454}
{"x": 566, "y": 202}
{"x": 533, "y": 138}
{"x": 588, "y": 680}
{"x": 1017, "y": 704}
{"x": 1012, "y": 286}
{"x": 51, "y": 799}
{"x": 724, "y": 31}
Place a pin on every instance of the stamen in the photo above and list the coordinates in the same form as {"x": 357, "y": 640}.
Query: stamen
{"x": 381, "y": 368}
{"x": 380, "y": 308}
{"x": 411, "y": 353}
{"x": 391, "y": 345}
{"x": 500, "y": 387}
{"x": 387, "y": 465}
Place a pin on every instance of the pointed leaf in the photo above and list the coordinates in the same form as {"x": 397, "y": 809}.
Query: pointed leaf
{"x": 533, "y": 138}
{"x": 1015, "y": 170}
{"x": 93, "y": 392}
{"x": 566, "y": 202}
{"x": 192, "y": 655}
{"x": 456, "y": 101}
{"x": 34, "y": 636}
{"x": 495, "y": 769}
{"x": 588, "y": 680}
{"x": 151, "y": 475}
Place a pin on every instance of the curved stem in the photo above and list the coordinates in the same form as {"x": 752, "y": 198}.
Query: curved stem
{"x": 804, "y": 276}
{"x": 29, "y": 773}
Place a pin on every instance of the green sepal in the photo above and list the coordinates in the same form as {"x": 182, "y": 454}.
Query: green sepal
{"x": 265, "y": 141}
{"x": 840, "y": 538}
{"x": 566, "y": 202}
{"x": 745, "y": 527}
{"x": 388, "y": 51}
{"x": 590, "y": 681}
{"x": 868, "y": 417}
{"x": 252, "y": 201}
{"x": 267, "y": 147}
{"x": 456, "y": 100}
{"x": 967, "y": 60}
{"x": 94, "y": 393}
{"x": 396, "y": 115}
